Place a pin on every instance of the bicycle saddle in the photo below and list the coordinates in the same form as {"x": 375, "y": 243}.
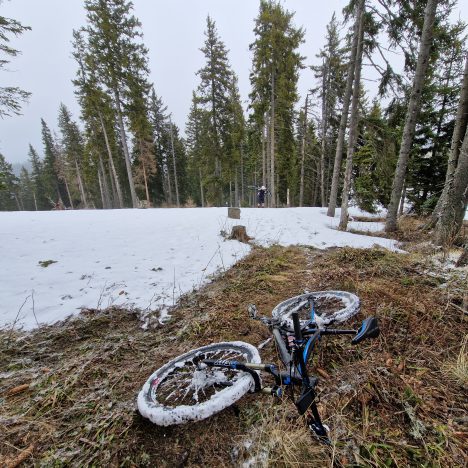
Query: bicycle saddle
{"x": 369, "y": 329}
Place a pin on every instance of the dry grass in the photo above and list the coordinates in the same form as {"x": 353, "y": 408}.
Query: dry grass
{"x": 388, "y": 402}
{"x": 458, "y": 369}
{"x": 409, "y": 229}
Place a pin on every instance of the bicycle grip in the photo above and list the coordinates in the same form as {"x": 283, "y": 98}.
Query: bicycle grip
{"x": 297, "y": 326}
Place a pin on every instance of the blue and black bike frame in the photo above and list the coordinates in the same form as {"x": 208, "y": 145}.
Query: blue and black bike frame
{"x": 295, "y": 351}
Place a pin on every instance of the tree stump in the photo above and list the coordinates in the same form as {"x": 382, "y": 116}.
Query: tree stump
{"x": 234, "y": 213}
{"x": 239, "y": 233}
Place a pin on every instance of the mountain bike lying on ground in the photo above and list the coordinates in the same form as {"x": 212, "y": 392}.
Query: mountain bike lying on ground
{"x": 206, "y": 380}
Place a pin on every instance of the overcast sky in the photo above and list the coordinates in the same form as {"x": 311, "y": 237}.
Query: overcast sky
{"x": 173, "y": 32}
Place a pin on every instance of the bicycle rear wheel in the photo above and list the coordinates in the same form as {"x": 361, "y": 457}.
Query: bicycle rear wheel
{"x": 329, "y": 307}
{"x": 185, "y": 389}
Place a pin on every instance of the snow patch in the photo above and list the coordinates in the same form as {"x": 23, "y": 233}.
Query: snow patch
{"x": 140, "y": 259}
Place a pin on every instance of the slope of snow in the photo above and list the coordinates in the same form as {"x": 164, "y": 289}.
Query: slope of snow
{"x": 138, "y": 258}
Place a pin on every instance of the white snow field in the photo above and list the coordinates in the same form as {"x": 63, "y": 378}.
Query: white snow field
{"x": 138, "y": 258}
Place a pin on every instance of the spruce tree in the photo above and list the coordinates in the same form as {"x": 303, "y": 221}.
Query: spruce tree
{"x": 11, "y": 97}
{"x": 359, "y": 8}
{"x": 375, "y": 159}
{"x": 39, "y": 192}
{"x": 26, "y": 191}
{"x": 114, "y": 44}
{"x": 216, "y": 97}
{"x": 9, "y": 200}
{"x": 414, "y": 106}
{"x": 275, "y": 72}
{"x": 54, "y": 189}
{"x": 160, "y": 182}
{"x": 73, "y": 147}
{"x": 98, "y": 115}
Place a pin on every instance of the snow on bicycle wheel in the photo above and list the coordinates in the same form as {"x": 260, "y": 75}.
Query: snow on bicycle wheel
{"x": 185, "y": 389}
{"x": 329, "y": 307}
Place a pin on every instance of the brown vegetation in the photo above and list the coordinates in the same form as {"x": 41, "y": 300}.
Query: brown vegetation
{"x": 395, "y": 401}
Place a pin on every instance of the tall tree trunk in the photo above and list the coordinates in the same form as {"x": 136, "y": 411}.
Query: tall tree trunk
{"x": 17, "y": 202}
{"x": 148, "y": 202}
{"x": 323, "y": 146}
{"x": 272, "y": 142}
{"x": 35, "y": 200}
{"x": 101, "y": 190}
{"x": 68, "y": 193}
{"x": 114, "y": 174}
{"x": 304, "y": 131}
{"x": 80, "y": 185}
{"x": 105, "y": 194}
{"x": 114, "y": 203}
{"x": 268, "y": 160}
{"x": 264, "y": 157}
{"x": 170, "y": 197}
{"x": 315, "y": 191}
{"x": 353, "y": 128}
{"x": 455, "y": 200}
{"x": 202, "y": 196}
{"x": 241, "y": 176}
{"x": 123, "y": 138}
{"x": 236, "y": 191}
{"x": 174, "y": 165}
{"x": 461, "y": 121}
{"x": 412, "y": 113}
{"x": 344, "y": 114}
{"x": 402, "y": 201}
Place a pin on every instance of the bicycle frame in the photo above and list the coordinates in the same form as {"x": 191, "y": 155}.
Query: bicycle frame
{"x": 301, "y": 344}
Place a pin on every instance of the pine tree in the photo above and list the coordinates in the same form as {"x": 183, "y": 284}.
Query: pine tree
{"x": 9, "y": 200}
{"x": 454, "y": 199}
{"x": 412, "y": 114}
{"x": 11, "y": 97}
{"x": 39, "y": 191}
{"x": 26, "y": 191}
{"x": 427, "y": 166}
{"x": 54, "y": 189}
{"x": 359, "y": 8}
{"x": 353, "y": 124}
{"x": 216, "y": 97}
{"x": 114, "y": 45}
{"x": 160, "y": 181}
{"x": 98, "y": 115}
{"x": 73, "y": 147}
{"x": 197, "y": 130}
{"x": 375, "y": 160}
{"x": 274, "y": 77}
{"x": 140, "y": 126}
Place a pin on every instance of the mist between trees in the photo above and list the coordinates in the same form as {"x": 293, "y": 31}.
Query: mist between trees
{"x": 330, "y": 147}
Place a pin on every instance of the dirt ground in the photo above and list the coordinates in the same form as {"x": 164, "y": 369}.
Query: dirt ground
{"x": 67, "y": 392}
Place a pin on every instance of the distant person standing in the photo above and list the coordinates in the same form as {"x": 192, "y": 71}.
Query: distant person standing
{"x": 261, "y": 197}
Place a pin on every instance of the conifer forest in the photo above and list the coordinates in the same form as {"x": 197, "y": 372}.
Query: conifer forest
{"x": 334, "y": 145}
{"x": 328, "y": 147}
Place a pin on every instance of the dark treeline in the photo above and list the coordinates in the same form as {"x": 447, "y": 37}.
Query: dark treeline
{"x": 323, "y": 149}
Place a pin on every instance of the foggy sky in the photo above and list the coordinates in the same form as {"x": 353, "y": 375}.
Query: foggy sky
{"x": 173, "y": 33}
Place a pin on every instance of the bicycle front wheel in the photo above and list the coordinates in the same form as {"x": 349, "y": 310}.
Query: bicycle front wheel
{"x": 328, "y": 307}
{"x": 185, "y": 389}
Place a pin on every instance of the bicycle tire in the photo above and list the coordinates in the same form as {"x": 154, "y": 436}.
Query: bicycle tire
{"x": 183, "y": 375}
{"x": 350, "y": 305}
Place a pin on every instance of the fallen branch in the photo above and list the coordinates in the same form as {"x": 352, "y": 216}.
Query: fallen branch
{"x": 16, "y": 390}
{"x": 21, "y": 457}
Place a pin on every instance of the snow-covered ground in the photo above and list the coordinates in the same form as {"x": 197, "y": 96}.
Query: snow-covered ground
{"x": 140, "y": 258}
